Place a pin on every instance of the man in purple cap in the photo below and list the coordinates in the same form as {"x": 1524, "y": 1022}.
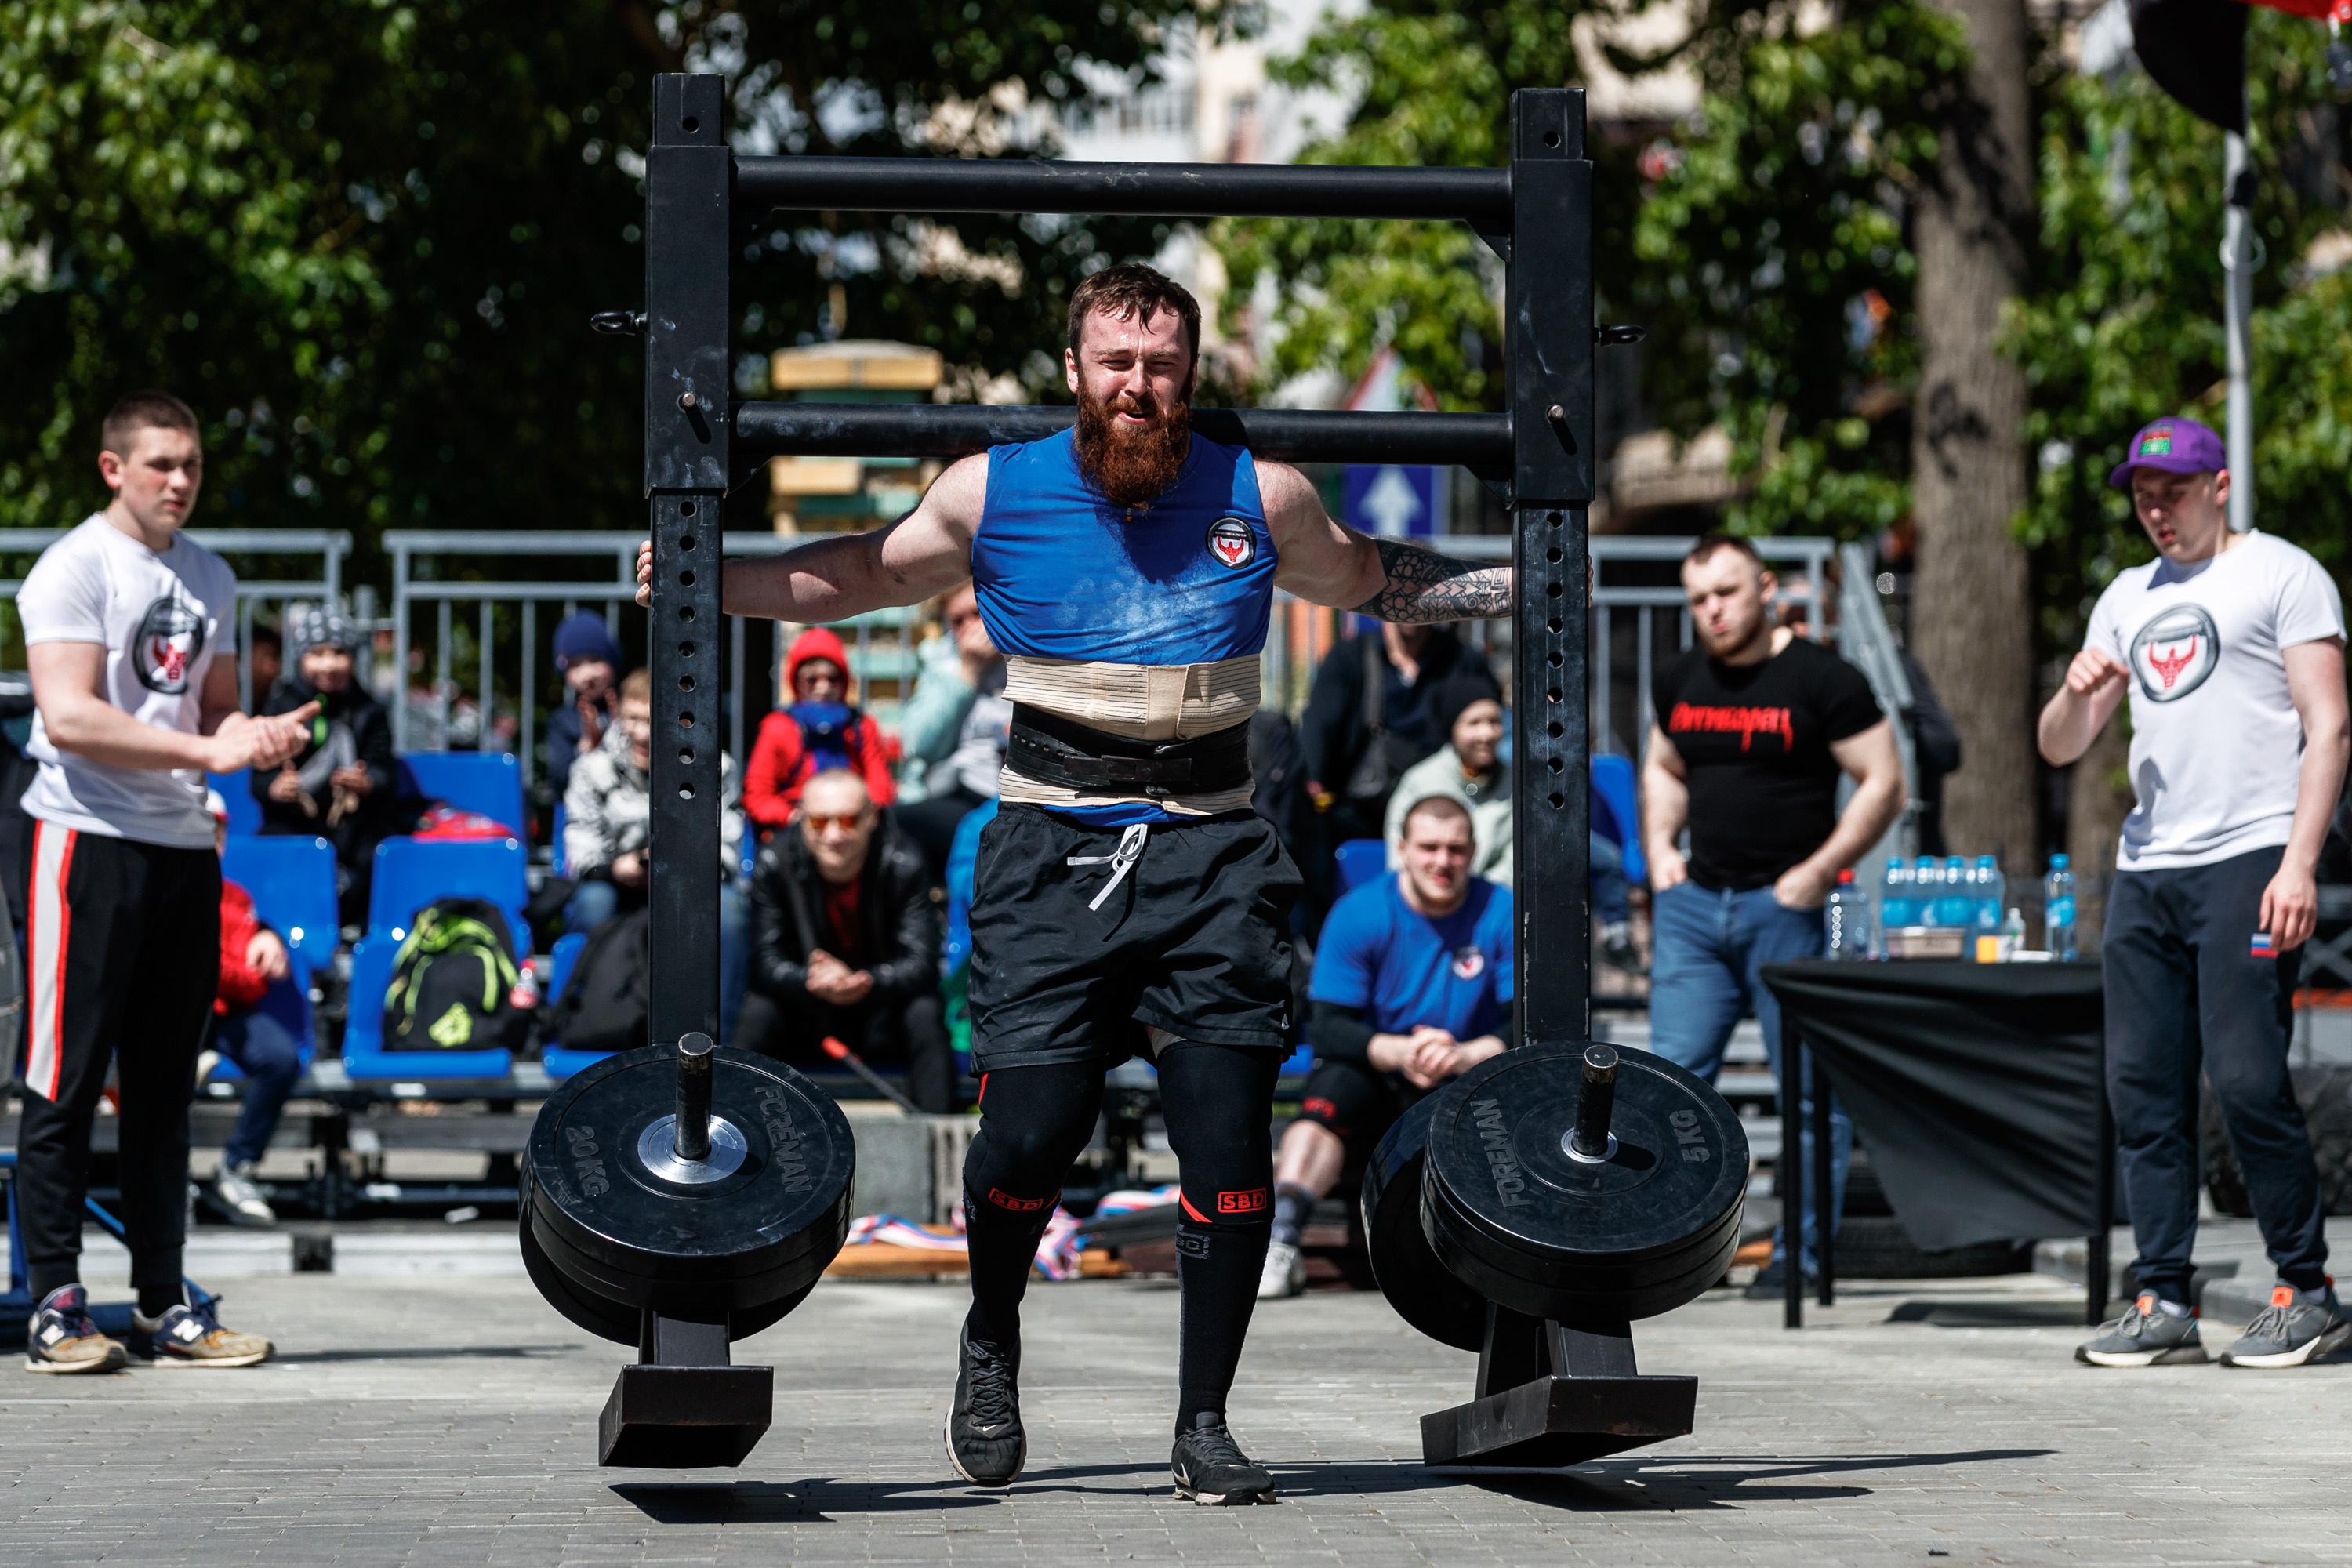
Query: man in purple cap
{"x": 2230, "y": 646}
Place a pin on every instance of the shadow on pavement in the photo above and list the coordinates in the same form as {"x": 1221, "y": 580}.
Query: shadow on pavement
{"x": 815, "y": 1500}
{"x": 1989, "y": 1314}
{"x": 1688, "y": 1482}
{"x": 431, "y": 1352}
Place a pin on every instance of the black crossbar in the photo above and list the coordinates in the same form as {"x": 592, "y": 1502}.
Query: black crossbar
{"x": 1476, "y": 441}
{"x": 1477, "y": 196}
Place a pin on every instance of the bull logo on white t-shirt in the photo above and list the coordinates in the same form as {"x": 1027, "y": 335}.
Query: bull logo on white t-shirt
{"x": 171, "y": 639}
{"x": 2173, "y": 654}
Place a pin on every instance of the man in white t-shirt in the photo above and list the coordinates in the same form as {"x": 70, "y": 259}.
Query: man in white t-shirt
{"x": 2230, "y": 646}
{"x": 135, "y": 700}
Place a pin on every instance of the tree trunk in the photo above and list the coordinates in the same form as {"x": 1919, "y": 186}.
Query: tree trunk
{"x": 2098, "y": 798}
{"x": 1972, "y": 607}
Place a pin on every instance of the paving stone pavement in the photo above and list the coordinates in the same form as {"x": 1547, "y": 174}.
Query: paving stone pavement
{"x": 453, "y": 1420}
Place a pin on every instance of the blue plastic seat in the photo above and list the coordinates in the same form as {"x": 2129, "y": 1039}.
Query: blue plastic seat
{"x": 364, "y": 1058}
{"x": 1358, "y": 861}
{"x": 561, "y": 861}
{"x": 292, "y": 880}
{"x": 236, "y": 792}
{"x": 410, "y": 873}
{"x": 486, "y": 782}
{"x": 559, "y": 1061}
{"x": 292, "y": 884}
{"x": 1615, "y": 814}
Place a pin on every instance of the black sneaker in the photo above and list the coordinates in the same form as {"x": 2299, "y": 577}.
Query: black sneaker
{"x": 1211, "y": 1468}
{"x": 985, "y": 1442}
{"x": 1771, "y": 1285}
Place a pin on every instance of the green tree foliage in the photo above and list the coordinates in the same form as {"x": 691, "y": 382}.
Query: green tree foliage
{"x": 1437, "y": 79}
{"x": 1774, "y": 270}
{"x": 2126, "y": 323}
{"x": 364, "y": 237}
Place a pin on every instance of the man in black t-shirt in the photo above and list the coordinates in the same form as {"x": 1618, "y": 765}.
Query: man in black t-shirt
{"x": 1753, "y": 726}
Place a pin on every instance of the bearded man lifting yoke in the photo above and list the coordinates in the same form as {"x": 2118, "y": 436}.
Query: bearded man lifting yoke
{"x": 1126, "y": 900}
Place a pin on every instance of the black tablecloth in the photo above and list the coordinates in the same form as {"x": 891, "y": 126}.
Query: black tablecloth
{"x": 1977, "y": 1087}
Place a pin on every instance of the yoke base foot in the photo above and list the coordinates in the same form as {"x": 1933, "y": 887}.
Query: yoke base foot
{"x": 1554, "y": 1421}
{"x": 684, "y": 1418}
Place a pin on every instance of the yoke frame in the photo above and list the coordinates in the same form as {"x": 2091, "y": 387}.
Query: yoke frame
{"x": 1536, "y": 213}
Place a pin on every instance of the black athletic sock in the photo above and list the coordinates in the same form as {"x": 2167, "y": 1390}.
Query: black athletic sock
{"x": 1003, "y": 1247}
{"x": 1217, "y": 1270}
{"x": 154, "y": 1301}
{"x": 1294, "y": 1205}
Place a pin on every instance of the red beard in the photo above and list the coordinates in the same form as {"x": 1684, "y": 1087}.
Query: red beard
{"x": 1132, "y": 467}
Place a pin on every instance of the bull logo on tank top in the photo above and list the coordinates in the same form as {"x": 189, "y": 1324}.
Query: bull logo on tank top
{"x": 171, "y": 639}
{"x": 2175, "y": 653}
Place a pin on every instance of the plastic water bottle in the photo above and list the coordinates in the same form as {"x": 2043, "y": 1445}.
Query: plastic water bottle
{"x": 1846, "y": 919}
{"x": 2058, "y": 910}
{"x": 1927, "y": 877}
{"x": 1989, "y": 890}
{"x": 1896, "y": 906}
{"x": 1953, "y": 903}
{"x": 2012, "y": 934}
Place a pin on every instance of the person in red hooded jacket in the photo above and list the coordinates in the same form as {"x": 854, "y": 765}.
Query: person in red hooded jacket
{"x": 819, "y": 731}
{"x": 252, "y": 960}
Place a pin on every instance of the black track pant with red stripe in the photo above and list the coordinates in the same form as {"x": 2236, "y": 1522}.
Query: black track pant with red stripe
{"x": 122, "y": 960}
{"x": 1034, "y": 1120}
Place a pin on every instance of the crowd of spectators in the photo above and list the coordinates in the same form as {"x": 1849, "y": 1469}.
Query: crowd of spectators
{"x": 830, "y": 919}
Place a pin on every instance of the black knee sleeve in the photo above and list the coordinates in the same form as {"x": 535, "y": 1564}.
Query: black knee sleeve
{"x": 1033, "y": 1123}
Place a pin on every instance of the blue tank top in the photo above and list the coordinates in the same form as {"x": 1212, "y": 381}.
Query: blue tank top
{"x": 1060, "y": 573}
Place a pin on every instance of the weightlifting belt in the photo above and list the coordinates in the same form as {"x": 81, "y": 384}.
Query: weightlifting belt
{"x": 1057, "y": 750}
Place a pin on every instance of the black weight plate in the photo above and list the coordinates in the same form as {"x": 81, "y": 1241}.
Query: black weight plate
{"x": 1504, "y": 1201}
{"x": 1597, "y": 1296}
{"x": 606, "y": 1319}
{"x": 1423, "y": 1293}
{"x": 772, "y": 1224}
{"x": 617, "y": 1319}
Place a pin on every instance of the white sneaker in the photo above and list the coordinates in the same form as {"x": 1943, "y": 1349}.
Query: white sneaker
{"x": 1285, "y": 1272}
{"x": 205, "y": 1062}
{"x": 235, "y": 1190}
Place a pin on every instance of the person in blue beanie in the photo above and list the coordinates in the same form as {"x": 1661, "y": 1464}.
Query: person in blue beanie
{"x": 590, "y": 660}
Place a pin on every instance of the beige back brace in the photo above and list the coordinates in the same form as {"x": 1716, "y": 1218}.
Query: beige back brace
{"x": 1135, "y": 702}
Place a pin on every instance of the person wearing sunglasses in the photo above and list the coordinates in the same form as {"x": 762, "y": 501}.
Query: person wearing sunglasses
{"x": 847, "y": 944}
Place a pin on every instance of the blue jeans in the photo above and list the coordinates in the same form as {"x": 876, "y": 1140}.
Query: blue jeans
{"x": 1706, "y": 946}
{"x": 595, "y": 901}
{"x": 266, "y": 1052}
{"x": 1605, "y": 877}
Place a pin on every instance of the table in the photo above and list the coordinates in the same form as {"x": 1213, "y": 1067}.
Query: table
{"x": 1981, "y": 1087}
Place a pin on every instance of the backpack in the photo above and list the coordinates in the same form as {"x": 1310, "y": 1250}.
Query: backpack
{"x": 606, "y": 1003}
{"x": 452, "y": 983}
{"x": 830, "y": 734}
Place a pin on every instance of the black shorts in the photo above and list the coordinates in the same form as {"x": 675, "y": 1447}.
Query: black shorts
{"x": 1354, "y": 1100}
{"x": 1195, "y": 939}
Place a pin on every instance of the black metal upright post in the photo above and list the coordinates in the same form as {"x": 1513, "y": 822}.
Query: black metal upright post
{"x": 1547, "y": 353}
{"x": 689, "y": 175}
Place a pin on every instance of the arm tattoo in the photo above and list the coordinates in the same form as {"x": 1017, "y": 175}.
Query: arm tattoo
{"x": 1424, "y": 586}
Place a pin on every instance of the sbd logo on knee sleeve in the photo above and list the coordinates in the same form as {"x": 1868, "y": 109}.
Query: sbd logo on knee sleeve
{"x": 1005, "y": 1200}
{"x": 1255, "y": 1200}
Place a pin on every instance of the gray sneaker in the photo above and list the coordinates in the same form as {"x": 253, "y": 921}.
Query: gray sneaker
{"x": 235, "y": 1190}
{"x": 2283, "y": 1334}
{"x": 2145, "y": 1335}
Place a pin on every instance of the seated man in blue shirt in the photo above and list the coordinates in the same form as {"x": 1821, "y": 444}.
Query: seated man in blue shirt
{"x": 1411, "y": 986}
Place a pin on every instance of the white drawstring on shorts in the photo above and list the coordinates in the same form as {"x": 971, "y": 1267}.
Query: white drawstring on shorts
{"x": 1120, "y": 860}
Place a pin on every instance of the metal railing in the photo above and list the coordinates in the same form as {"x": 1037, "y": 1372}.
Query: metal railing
{"x": 886, "y": 658}
{"x": 330, "y": 545}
